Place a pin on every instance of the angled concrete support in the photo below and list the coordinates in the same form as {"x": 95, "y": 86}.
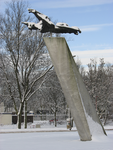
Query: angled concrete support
{"x": 78, "y": 99}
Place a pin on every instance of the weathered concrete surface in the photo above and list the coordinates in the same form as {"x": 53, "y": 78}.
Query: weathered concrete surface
{"x": 77, "y": 97}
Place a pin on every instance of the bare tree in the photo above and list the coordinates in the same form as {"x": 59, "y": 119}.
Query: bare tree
{"x": 49, "y": 98}
{"x": 53, "y": 95}
{"x": 24, "y": 62}
{"x": 99, "y": 83}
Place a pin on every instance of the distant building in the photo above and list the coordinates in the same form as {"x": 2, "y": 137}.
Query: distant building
{"x": 9, "y": 117}
{"x": 2, "y": 107}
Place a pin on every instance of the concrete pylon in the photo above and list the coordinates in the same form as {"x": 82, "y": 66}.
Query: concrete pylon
{"x": 77, "y": 97}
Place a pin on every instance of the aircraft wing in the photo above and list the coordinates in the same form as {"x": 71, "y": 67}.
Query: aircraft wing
{"x": 34, "y": 26}
{"x": 45, "y": 19}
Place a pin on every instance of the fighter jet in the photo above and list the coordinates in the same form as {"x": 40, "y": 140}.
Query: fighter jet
{"x": 45, "y": 25}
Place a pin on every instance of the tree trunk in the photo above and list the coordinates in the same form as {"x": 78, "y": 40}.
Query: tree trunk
{"x": 19, "y": 120}
{"x": 41, "y": 112}
{"x": 105, "y": 118}
{"x": 25, "y": 114}
{"x": 19, "y": 116}
{"x": 55, "y": 119}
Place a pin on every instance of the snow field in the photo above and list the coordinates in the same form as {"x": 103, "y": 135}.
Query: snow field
{"x": 54, "y": 141}
{"x": 44, "y": 138}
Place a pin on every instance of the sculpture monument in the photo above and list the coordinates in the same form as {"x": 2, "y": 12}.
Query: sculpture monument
{"x": 77, "y": 97}
{"x": 45, "y": 25}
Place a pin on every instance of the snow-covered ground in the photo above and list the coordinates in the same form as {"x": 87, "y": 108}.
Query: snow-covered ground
{"x": 32, "y": 127}
{"x": 44, "y": 126}
{"x": 53, "y": 141}
{"x": 61, "y": 140}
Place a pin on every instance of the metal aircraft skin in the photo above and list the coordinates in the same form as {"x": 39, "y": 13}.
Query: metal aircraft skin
{"x": 45, "y": 25}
